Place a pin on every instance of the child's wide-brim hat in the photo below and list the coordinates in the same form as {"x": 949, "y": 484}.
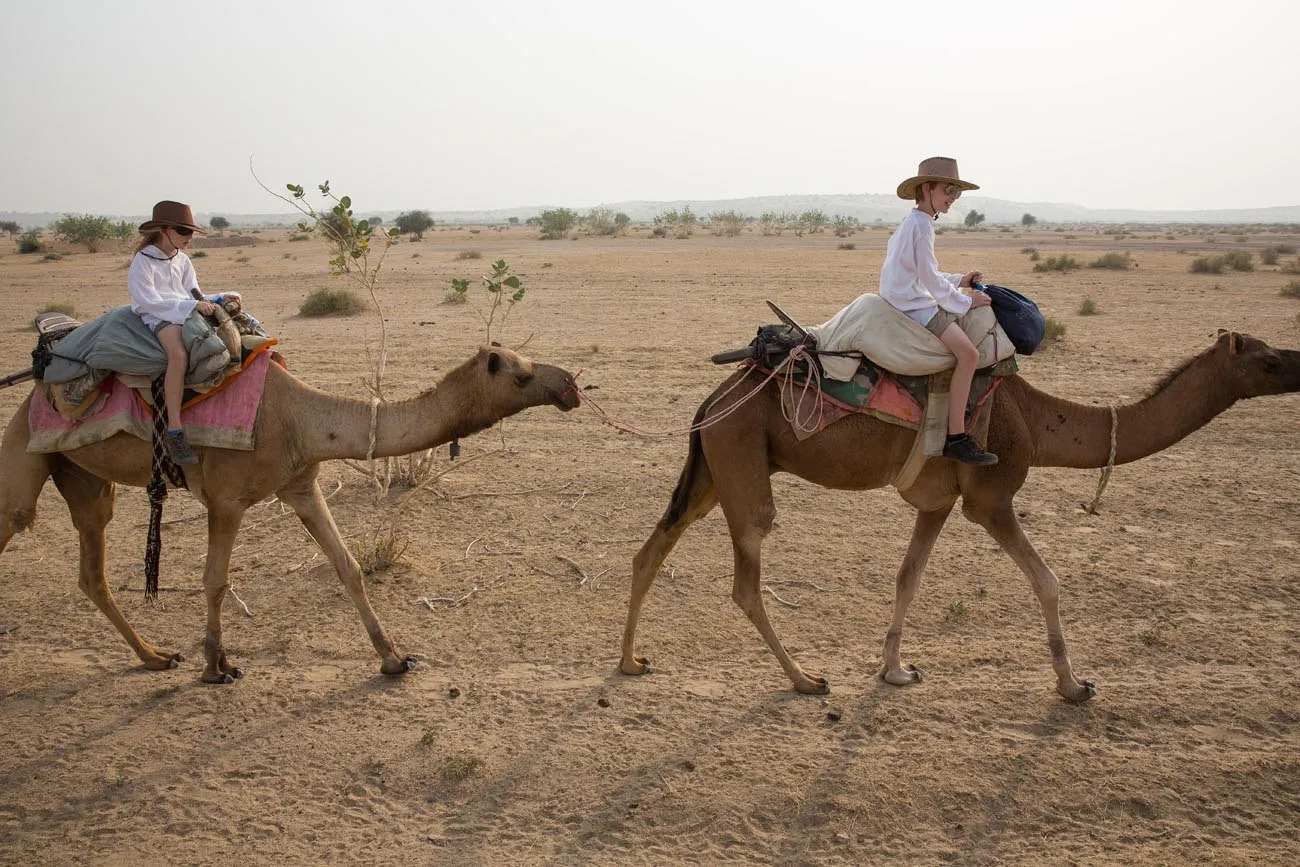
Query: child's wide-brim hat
{"x": 172, "y": 214}
{"x": 941, "y": 169}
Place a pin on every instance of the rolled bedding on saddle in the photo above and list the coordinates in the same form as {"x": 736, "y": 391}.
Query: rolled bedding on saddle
{"x": 119, "y": 341}
{"x": 874, "y": 327}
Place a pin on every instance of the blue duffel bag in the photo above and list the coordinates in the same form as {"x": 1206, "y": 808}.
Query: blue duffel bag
{"x": 1019, "y": 317}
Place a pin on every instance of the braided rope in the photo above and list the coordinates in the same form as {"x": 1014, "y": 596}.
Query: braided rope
{"x": 162, "y": 470}
{"x": 1091, "y": 508}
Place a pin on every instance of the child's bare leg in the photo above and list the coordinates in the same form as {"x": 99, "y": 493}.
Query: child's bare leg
{"x": 174, "y": 379}
{"x": 968, "y": 356}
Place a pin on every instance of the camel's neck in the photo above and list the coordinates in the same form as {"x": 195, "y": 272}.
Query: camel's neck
{"x": 336, "y": 427}
{"x": 1067, "y": 434}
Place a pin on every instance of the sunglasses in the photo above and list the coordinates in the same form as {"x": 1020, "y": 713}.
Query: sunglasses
{"x": 182, "y": 231}
{"x": 953, "y": 190}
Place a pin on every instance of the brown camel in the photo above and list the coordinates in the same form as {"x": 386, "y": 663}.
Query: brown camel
{"x": 297, "y": 428}
{"x": 731, "y": 463}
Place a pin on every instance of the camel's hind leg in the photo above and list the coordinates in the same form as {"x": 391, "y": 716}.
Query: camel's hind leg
{"x": 924, "y": 533}
{"x": 90, "y": 500}
{"x": 306, "y": 499}
{"x": 1000, "y": 522}
{"x": 693, "y": 499}
{"x": 746, "y": 497}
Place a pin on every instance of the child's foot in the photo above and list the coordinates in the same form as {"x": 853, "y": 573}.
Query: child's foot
{"x": 960, "y": 447}
{"x": 178, "y": 449}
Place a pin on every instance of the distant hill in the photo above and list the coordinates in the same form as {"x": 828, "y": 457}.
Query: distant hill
{"x": 866, "y": 207}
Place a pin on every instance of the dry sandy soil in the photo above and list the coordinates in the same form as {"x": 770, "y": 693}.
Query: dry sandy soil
{"x": 516, "y": 741}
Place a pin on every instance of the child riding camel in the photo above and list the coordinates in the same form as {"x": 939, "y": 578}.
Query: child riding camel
{"x": 164, "y": 292}
{"x": 911, "y": 281}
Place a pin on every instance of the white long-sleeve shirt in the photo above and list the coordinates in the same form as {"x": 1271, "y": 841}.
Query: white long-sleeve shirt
{"x": 911, "y": 280}
{"x": 160, "y": 287}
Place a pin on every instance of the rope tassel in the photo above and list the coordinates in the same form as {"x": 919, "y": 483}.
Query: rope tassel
{"x": 162, "y": 471}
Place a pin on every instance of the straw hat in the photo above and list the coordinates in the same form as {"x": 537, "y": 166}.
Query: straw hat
{"x": 943, "y": 169}
{"x": 172, "y": 214}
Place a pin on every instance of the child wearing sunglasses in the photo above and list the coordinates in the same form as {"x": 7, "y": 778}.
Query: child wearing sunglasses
{"x": 911, "y": 281}
{"x": 164, "y": 292}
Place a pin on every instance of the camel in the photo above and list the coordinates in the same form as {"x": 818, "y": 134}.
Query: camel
{"x": 731, "y": 463}
{"x": 297, "y": 428}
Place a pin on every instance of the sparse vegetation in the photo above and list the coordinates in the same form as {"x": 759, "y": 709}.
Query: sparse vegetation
{"x": 30, "y": 242}
{"x": 1291, "y": 290}
{"x": 1088, "y": 307}
{"x": 1055, "y": 329}
{"x": 200, "y": 254}
{"x": 454, "y": 769}
{"x": 1114, "y": 262}
{"x": 328, "y": 302}
{"x": 1058, "y": 263}
{"x": 219, "y": 223}
{"x": 379, "y": 551}
{"x": 65, "y": 307}
{"x": 11, "y": 227}
{"x": 468, "y": 254}
{"x": 51, "y": 257}
{"x": 1237, "y": 260}
{"x": 1268, "y": 256}
{"x": 973, "y": 219}
{"x": 848, "y": 247}
{"x": 957, "y": 611}
{"x": 727, "y": 223}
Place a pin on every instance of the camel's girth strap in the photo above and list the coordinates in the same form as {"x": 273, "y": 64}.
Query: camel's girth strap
{"x": 162, "y": 471}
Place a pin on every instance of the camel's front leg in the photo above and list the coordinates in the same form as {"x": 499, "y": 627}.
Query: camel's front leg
{"x": 90, "y": 501}
{"x": 223, "y": 525}
{"x": 1000, "y": 522}
{"x": 307, "y": 500}
{"x": 924, "y": 533}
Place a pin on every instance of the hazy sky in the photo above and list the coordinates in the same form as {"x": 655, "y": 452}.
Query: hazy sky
{"x": 106, "y": 106}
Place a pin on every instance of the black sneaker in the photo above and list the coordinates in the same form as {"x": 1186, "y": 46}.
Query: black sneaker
{"x": 964, "y": 449}
{"x": 178, "y": 449}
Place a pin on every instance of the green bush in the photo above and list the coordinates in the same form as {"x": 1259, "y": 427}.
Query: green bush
{"x": 1114, "y": 262}
{"x": 556, "y": 223}
{"x": 414, "y": 223}
{"x": 1291, "y": 290}
{"x": 1058, "y": 263}
{"x": 325, "y": 302}
{"x": 1208, "y": 265}
{"x": 29, "y": 242}
{"x": 85, "y": 229}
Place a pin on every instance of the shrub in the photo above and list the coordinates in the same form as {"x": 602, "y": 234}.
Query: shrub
{"x": 324, "y": 302}
{"x": 1088, "y": 307}
{"x": 30, "y": 242}
{"x": 64, "y": 307}
{"x": 1114, "y": 262}
{"x": 219, "y": 223}
{"x": 848, "y": 246}
{"x": 52, "y": 257}
{"x": 1028, "y": 220}
{"x": 1292, "y": 267}
{"x": 1058, "y": 263}
{"x": 414, "y": 223}
{"x": 600, "y": 221}
{"x": 556, "y": 223}
{"x": 199, "y": 254}
{"x": 298, "y": 236}
{"x": 379, "y": 552}
{"x": 727, "y": 223}
{"x": 1268, "y": 256}
{"x": 1240, "y": 260}
{"x": 1291, "y": 290}
{"x": 1285, "y": 249}
{"x": 1208, "y": 265}
{"x": 85, "y": 229}
{"x": 11, "y": 227}
{"x": 467, "y": 254}
{"x": 1055, "y": 329}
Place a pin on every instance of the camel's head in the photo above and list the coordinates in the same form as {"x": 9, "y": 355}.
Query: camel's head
{"x": 519, "y": 383}
{"x": 1254, "y": 368}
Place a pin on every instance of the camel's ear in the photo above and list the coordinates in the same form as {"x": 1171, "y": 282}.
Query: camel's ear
{"x": 1233, "y": 340}
{"x": 494, "y": 362}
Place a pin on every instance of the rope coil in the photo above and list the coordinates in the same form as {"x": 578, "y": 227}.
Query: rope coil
{"x": 1091, "y": 508}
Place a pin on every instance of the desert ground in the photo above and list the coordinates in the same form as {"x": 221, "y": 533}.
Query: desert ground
{"x": 517, "y": 741}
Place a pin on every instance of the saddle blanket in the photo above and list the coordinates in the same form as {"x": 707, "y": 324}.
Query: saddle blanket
{"x": 222, "y": 418}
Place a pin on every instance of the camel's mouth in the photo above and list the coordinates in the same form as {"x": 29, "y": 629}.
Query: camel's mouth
{"x": 568, "y": 398}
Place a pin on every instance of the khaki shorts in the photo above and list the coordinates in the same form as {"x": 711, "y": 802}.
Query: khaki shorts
{"x": 939, "y": 323}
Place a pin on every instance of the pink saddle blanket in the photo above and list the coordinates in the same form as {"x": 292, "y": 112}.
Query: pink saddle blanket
{"x": 223, "y": 419}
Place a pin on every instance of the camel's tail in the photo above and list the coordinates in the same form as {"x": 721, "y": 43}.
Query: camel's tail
{"x": 686, "y": 484}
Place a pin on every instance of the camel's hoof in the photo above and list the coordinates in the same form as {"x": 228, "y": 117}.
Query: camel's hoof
{"x": 905, "y": 676}
{"x": 640, "y": 665}
{"x": 1087, "y": 690}
{"x": 164, "y": 663}
{"x": 234, "y": 672}
{"x": 812, "y": 686}
{"x": 221, "y": 678}
{"x": 402, "y": 667}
